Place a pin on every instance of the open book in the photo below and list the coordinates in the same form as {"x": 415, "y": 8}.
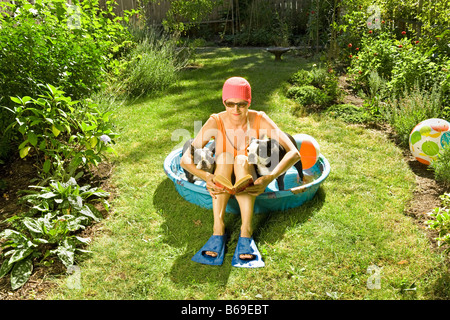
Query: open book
{"x": 239, "y": 186}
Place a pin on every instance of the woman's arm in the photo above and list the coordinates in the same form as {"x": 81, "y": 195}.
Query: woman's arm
{"x": 291, "y": 157}
{"x": 187, "y": 162}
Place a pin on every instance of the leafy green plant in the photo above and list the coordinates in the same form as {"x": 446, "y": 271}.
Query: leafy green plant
{"x": 47, "y": 42}
{"x": 317, "y": 86}
{"x": 49, "y": 229}
{"x": 41, "y": 237}
{"x": 301, "y": 77}
{"x": 374, "y": 54}
{"x": 64, "y": 134}
{"x": 415, "y": 66}
{"x": 66, "y": 197}
{"x": 441, "y": 221}
{"x": 308, "y": 95}
{"x": 441, "y": 166}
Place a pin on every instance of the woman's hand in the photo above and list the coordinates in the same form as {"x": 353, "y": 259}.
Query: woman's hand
{"x": 259, "y": 186}
{"x": 212, "y": 187}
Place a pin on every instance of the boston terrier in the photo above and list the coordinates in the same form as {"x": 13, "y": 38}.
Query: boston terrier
{"x": 203, "y": 158}
{"x": 265, "y": 154}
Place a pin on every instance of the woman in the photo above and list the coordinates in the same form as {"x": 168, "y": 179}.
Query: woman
{"x": 232, "y": 129}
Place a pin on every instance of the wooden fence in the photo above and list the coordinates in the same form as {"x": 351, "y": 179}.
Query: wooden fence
{"x": 156, "y": 11}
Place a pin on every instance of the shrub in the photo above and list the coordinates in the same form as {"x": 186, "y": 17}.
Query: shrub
{"x": 415, "y": 67}
{"x": 318, "y": 86}
{"x": 374, "y": 55}
{"x": 308, "y": 95}
{"x": 414, "y": 106}
{"x": 62, "y": 133}
{"x": 37, "y": 45}
{"x": 402, "y": 63}
{"x": 301, "y": 77}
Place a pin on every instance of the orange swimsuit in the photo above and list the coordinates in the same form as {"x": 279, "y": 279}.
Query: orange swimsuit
{"x": 221, "y": 129}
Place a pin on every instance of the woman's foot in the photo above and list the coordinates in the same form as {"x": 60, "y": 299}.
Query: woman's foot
{"x": 212, "y": 254}
{"x": 246, "y": 247}
{"x": 218, "y": 230}
{"x": 246, "y": 233}
{"x": 216, "y": 244}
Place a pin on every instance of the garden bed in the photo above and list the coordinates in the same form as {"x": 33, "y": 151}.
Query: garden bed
{"x": 17, "y": 175}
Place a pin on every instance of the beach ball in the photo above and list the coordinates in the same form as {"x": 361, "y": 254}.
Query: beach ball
{"x": 309, "y": 149}
{"x": 428, "y": 138}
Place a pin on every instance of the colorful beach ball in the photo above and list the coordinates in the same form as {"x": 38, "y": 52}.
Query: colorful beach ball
{"x": 309, "y": 149}
{"x": 428, "y": 138}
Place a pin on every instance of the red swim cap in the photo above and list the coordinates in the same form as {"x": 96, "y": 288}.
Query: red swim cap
{"x": 237, "y": 88}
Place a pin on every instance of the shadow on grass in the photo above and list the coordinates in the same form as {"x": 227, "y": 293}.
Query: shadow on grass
{"x": 201, "y": 89}
{"x": 189, "y": 226}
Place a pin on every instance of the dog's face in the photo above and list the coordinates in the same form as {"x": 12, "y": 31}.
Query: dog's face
{"x": 203, "y": 158}
{"x": 263, "y": 152}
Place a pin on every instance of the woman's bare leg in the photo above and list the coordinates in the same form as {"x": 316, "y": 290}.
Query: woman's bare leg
{"x": 246, "y": 201}
{"x": 224, "y": 166}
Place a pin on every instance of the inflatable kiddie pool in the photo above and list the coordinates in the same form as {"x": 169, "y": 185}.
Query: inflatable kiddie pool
{"x": 269, "y": 201}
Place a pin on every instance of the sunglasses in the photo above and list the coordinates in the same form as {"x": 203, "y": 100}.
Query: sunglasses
{"x": 239, "y": 104}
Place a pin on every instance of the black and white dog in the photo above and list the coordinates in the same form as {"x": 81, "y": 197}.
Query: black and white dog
{"x": 265, "y": 154}
{"x": 203, "y": 158}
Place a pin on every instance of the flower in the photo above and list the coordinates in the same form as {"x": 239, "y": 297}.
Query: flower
{"x": 357, "y": 49}
{"x": 349, "y": 45}
{"x": 105, "y": 138}
{"x": 350, "y": 56}
{"x": 403, "y": 32}
{"x": 359, "y": 71}
{"x": 370, "y": 31}
{"x": 400, "y": 46}
{"x": 312, "y": 12}
{"x": 417, "y": 41}
{"x": 375, "y": 54}
{"x": 382, "y": 21}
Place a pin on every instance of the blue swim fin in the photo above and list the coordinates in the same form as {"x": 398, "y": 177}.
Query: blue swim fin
{"x": 214, "y": 244}
{"x": 247, "y": 246}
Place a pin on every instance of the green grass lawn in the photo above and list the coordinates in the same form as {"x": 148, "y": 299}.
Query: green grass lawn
{"x": 321, "y": 250}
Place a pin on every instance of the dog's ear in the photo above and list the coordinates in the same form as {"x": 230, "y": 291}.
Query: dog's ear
{"x": 192, "y": 150}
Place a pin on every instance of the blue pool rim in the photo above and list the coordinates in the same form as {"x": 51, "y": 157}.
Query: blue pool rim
{"x": 270, "y": 201}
